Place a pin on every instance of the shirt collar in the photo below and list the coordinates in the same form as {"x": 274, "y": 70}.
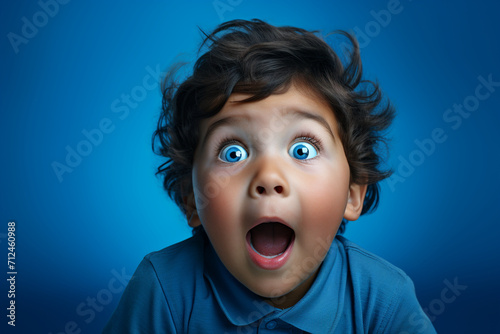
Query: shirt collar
{"x": 320, "y": 309}
{"x": 316, "y": 312}
{"x": 240, "y": 305}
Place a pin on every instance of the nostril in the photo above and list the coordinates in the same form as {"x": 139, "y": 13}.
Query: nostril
{"x": 279, "y": 189}
{"x": 260, "y": 190}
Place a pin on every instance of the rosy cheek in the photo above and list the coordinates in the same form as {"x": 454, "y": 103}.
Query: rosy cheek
{"x": 324, "y": 202}
{"x": 215, "y": 202}
{"x": 322, "y": 215}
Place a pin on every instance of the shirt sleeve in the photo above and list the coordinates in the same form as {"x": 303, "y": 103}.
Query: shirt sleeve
{"x": 143, "y": 307}
{"x": 407, "y": 316}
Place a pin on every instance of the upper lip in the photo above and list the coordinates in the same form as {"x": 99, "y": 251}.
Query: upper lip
{"x": 269, "y": 219}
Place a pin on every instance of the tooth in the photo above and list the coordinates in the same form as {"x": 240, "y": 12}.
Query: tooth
{"x": 266, "y": 256}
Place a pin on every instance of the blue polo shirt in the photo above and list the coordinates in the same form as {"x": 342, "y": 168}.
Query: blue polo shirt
{"x": 185, "y": 288}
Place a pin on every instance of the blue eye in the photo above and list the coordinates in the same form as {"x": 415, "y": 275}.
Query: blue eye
{"x": 233, "y": 153}
{"x": 302, "y": 151}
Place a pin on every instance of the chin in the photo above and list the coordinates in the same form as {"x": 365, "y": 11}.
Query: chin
{"x": 273, "y": 289}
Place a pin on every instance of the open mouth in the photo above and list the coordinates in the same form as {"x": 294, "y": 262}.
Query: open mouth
{"x": 269, "y": 244}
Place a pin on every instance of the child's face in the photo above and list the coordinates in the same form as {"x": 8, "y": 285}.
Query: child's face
{"x": 276, "y": 160}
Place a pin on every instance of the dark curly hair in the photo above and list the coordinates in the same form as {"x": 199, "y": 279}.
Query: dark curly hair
{"x": 256, "y": 58}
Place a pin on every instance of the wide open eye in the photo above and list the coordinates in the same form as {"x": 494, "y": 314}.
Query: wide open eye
{"x": 302, "y": 151}
{"x": 233, "y": 153}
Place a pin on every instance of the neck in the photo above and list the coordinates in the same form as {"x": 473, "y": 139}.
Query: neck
{"x": 292, "y": 297}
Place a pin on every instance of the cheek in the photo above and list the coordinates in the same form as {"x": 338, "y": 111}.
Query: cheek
{"x": 216, "y": 194}
{"x": 325, "y": 200}
{"x": 219, "y": 205}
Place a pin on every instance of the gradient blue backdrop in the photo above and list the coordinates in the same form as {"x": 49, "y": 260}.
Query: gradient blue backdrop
{"x": 74, "y": 236}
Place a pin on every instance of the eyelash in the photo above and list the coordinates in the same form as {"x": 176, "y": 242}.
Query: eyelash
{"x": 226, "y": 141}
{"x": 313, "y": 140}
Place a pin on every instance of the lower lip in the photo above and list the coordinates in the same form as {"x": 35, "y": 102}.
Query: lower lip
{"x": 268, "y": 263}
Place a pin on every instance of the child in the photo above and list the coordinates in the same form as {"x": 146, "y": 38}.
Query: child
{"x": 271, "y": 148}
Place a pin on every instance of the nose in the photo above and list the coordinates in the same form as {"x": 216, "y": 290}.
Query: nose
{"x": 269, "y": 179}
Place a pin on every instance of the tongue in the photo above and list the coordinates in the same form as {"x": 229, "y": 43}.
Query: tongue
{"x": 271, "y": 239}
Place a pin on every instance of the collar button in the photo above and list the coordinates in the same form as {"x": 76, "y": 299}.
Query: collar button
{"x": 271, "y": 324}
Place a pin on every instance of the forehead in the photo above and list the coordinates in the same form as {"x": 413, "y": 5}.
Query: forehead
{"x": 294, "y": 104}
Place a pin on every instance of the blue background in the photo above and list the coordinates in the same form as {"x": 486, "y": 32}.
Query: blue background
{"x": 440, "y": 224}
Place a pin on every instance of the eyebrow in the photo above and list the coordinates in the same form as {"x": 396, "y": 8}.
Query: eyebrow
{"x": 291, "y": 114}
{"x": 221, "y": 122}
{"x": 314, "y": 117}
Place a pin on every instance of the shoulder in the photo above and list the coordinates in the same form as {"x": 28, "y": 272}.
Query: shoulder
{"x": 184, "y": 255}
{"x": 384, "y": 292}
{"x": 178, "y": 269}
{"x": 159, "y": 287}
{"x": 371, "y": 266}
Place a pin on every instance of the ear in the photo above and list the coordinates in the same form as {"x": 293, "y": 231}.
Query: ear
{"x": 355, "y": 199}
{"x": 191, "y": 212}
